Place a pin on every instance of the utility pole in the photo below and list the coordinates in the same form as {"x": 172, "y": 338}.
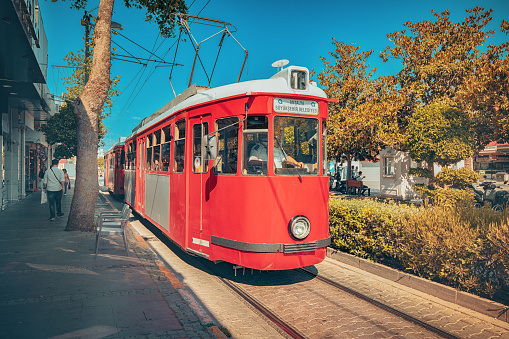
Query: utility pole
{"x": 85, "y": 21}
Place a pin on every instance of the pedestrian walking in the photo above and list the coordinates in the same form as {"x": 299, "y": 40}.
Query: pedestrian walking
{"x": 53, "y": 183}
{"x": 67, "y": 181}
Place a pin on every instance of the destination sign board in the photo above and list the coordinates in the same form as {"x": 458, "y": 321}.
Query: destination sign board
{"x": 307, "y": 107}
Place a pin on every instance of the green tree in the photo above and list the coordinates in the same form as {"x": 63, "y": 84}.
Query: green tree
{"x": 100, "y": 163}
{"x": 61, "y": 130}
{"x": 439, "y": 133}
{"x": 444, "y": 61}
{"x": 362, "y": 120}
{"x": 457, "y": 178}
{"x": 88, "y": 106}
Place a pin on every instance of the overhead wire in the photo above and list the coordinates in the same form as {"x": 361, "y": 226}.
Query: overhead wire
{"x": 125, "y": 109}
{"x": 129, "y": 100}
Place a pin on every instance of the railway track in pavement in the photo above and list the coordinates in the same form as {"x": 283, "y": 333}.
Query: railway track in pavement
{"x": 302, "y": 304}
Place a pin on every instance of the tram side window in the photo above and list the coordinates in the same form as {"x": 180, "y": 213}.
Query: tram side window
{"x": 228, "y": 146}
{"x": 199, "y": 130}
{"x": 324, "y": 146}
{"x": 122, "y": 159}
{"x": 165, "y": 149}
{"x": 295, "y": 145}
{"x": 180, "y": 142}
{"x": 133, "y": 156}
{"x": 157, "y": 151}
{"x": 148, "y": 159}
{"x": 128, "y": 156}
{"x": 255, "y": 146}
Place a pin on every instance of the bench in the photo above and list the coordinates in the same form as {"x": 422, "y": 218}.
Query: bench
{"x": 357, "y": 187}
{"x": 113, "y": 223}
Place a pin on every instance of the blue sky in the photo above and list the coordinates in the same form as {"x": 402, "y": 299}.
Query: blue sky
{"x": 300, "y": 31}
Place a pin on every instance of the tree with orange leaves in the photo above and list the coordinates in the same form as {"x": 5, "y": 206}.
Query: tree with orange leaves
{"x": 446, "y": 62}
{"x": 363, "y": 120}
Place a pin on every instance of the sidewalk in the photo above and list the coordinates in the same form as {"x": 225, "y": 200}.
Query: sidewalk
{"x": 53, "y": 286}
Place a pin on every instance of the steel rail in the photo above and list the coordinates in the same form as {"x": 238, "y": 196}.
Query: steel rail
{"x": 380, "y": 305}
{"x": 284, "y": 326}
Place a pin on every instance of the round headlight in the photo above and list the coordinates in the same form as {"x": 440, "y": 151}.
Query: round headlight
{"x": 300, "y": 227}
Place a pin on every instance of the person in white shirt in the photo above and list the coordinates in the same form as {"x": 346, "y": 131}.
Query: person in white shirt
{"x": 259, "y": 152}
{"x": 53, "y": 183}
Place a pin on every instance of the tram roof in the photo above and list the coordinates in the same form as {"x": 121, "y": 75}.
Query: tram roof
{"x": 277, "y": 84}
{"x": 120, "y": 143}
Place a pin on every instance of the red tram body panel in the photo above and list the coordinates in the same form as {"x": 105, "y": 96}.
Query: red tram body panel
{"x": 114, "y": 169}
{"x": 236, "y": 173}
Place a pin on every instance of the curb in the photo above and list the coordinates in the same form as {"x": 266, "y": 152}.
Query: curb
{"x": 446, "y": 293}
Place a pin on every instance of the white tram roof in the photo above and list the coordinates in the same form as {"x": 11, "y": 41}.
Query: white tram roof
{"x": 277, "y": 84}
{"x": 120, "y": 143}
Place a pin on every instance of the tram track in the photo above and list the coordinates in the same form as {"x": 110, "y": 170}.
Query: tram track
{"x": 271, "y": 293}
{"x": 252, "y": 289}
{"x": 293, "y": 332}
{"x": 266, "y": 312}
{"x": 386, "y": 308}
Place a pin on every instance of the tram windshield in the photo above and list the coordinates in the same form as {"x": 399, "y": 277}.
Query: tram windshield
{"x": 295, "y": 143}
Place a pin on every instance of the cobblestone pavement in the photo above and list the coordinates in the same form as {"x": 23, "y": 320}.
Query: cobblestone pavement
{"x": 454, "y": 319}
{"x": 322, "y": 311}
{"x": 318, "y": 310}
{"x": 236, "y": 318}
{"x": 53, "y": 286}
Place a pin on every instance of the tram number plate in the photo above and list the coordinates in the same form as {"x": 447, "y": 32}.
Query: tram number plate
{"x": 295, "y": 106}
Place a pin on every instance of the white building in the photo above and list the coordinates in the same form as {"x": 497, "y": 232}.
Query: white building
{"x": 25, "y": 101}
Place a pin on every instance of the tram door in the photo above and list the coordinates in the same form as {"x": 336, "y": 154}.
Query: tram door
{"x": 140, "y": 175}
{"x": 198, "y": 182}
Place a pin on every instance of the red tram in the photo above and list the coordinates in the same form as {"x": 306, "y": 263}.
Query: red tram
{"x": 114, "y": 169}
{"x": 236, "y": 173}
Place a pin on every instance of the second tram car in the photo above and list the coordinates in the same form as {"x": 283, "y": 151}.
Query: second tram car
{"x": 114, "y": 169}
{"x": 236, "y": 173}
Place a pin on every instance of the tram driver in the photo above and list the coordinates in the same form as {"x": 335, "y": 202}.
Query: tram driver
{"x": 258, "y": 156}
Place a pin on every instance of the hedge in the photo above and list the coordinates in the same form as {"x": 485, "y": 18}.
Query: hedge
{"x": 461, "y": 247}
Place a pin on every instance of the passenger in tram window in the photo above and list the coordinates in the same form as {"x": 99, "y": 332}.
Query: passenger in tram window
{"x": 156, "y": 165}
{"x": 256, "y": 147}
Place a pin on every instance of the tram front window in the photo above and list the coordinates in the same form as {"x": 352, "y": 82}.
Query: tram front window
{"x": 295, "y": 145}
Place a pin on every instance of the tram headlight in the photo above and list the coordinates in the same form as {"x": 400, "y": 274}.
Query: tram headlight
{"x": 299, "y": 227}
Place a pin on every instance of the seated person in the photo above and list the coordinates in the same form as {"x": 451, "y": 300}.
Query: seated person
{"x": 258, "y": 155}
{"x": 359, "y": 176}
{"x": 280, "y": 159}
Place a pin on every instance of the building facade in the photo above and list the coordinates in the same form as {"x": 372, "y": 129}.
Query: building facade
{"x": 25, "y": 100}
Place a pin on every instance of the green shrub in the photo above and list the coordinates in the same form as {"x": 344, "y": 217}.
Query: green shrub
{"x": 421, "y": 172}
{"x": 462, "y": 247}
{"x": 447, "y": 198}
{"x": 368, "y": 228}
{"x": 456, "y": 178}
{"x": 452, "y": 247}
